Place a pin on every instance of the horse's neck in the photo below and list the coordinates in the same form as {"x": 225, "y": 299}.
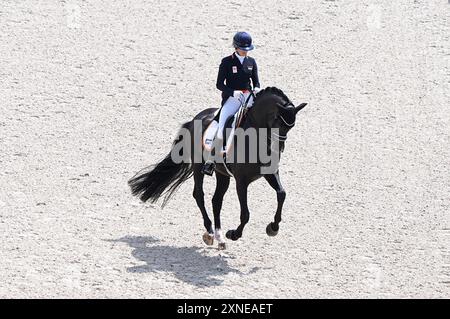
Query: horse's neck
{"x": 257, "y": 114}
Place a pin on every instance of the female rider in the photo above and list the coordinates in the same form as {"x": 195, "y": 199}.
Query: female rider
{"x": 233, "y": 79}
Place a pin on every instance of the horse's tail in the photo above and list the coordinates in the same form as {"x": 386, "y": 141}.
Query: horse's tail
{"x": 163, "y": 178}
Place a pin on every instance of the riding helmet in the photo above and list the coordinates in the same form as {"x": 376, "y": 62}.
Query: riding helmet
{"x": 243, "y": 41}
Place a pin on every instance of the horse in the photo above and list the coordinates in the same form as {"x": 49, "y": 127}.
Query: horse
{"x": 271, "y": 110}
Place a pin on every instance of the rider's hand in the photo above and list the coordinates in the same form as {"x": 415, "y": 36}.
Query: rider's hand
{"x": 237, "y": 94}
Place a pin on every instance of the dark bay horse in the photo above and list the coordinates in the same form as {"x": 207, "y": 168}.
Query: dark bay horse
{"x": 273, "y": 111}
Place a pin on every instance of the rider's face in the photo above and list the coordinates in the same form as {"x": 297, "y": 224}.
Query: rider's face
{"x": 241, "y": 52}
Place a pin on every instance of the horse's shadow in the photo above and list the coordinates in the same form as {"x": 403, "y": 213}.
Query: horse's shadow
{"x": 188, "y": 264}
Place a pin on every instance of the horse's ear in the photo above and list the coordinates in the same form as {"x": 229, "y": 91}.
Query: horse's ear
{"x": 298, "y": 108}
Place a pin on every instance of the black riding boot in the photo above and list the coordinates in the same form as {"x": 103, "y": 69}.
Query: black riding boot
{"x": 208, "y": 167}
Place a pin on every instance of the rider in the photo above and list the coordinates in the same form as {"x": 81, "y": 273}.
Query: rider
{"x": 233, "y": 79}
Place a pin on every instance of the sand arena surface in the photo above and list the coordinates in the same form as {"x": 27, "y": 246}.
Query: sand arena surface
{"x": 93, "y": 91}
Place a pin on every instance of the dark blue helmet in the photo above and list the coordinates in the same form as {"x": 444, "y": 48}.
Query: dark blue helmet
{"x": 243, "y": 41}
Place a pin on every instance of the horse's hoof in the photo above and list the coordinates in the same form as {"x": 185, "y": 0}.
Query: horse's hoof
{"x": 222, "y": 246}
{"x": 208, "y": 238}
{"x": 270, "y": 231}
{"x": 231, "y": 234}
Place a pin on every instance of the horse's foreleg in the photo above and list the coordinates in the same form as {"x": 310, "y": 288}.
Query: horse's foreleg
{"x": 221, "y": 188}
{"x": 241, "y": 187}
{"x": 274, "y": 181}
{"x": 199, "y": 196}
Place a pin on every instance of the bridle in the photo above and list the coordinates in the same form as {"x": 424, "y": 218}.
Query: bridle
{"x": 278, "y": 137}
{"x": 285, "y": 122}
{"x": 275, "y": 136}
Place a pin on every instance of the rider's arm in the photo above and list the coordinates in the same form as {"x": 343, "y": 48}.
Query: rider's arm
{"x": 255, "y": 77}
{"x": 221, "y": 76}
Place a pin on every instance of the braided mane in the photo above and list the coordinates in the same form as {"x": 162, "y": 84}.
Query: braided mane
{"x": 286, "y": 110}
{"x": 274, "y": 91}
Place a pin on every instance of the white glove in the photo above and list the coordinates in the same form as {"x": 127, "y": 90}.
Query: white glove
{"x": 256, "y": 90}
{"x": 237, "y": 94}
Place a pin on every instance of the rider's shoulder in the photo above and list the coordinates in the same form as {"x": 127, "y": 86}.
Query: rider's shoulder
{"x": 227, "y": 59}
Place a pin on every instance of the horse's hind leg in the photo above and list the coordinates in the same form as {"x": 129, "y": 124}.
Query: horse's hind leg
{"x": 221, "y": 188}
{"x": 199, "y": 196}
{"x": 274, "y": 181}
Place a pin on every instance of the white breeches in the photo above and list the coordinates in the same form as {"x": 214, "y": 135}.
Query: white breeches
{"x": 230, "y": 108}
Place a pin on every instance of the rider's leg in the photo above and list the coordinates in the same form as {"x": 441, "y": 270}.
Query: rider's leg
{"x": 230, "y": 107}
